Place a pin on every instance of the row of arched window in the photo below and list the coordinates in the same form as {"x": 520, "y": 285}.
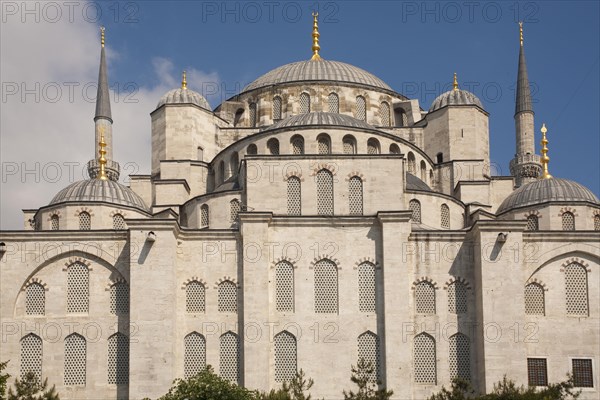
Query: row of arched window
{"x": 234, "y": 209}
{"x": 195, "y": 297}
{"x": 78, "y": 296}
{"x": 75, "y": 358}
{"x": 85, "y": 222}
{"x": 568, "y": 222}
{"x": 425, "y": 361}
{"x": 414, "y": 206}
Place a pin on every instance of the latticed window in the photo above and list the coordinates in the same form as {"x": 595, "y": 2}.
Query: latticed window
{"x": 227, "y": 297}
{"x": 324, "y": 144}
{"x": 273, "y": 146}
{"x": 85, "y": 221}
{"x": 366, "y": 287}
{"x": 532, "y": 223}
{"x": 384, "y": 112}
{"x": 35, "y": 299}
{"x": 355, "y": 195}
{"x": 119, "y": 298}
{"x": 324, "y": 192}
{"x": 285, "y": 357}
{"x": 424, "y": 359}
{"x": 537, "y": 372}
{"x": 334, "y": 103}
{"x": 349, "y": 144}
{"x": 582, "y": 372}
{"x": 445, "y": 216}
{"x": 31, "y": 356}
{"x": 194, "y": 354}
{"x": 460, "y": 356}
{"x": 297, "y": 145}
{"x": 394, "y": 149}
{"x": 284, "y": 287}
{"x": 457, "y": 298}
{"x": 373, "y": 146}
{"x": 401, "y": 117}
{"x": 204, "y": 216}
{"x": 195, "y": 296}
{"x": 294, "y": 203}
{"x": 534, "y": 299}
{"x": 229, "y": 360}
{"x": 119, "y": 222}
{"x": 326, "y": 287}
{"x": 75, "y": 359}
{"x": 54, "y": 222}
{"x": 576, "y": 289}
{"x": 412, "y": 163}
{"x": 423, "y": 171}
{"x": 118, "y": 359}
{"x": 276, "y": 107}
{"x": 597, "y": 222}
{"x": 568, "y": 221}
{"x": 304, "y": 103}
{"x": 78, "y": 288}
{"x": 361, "y": 108}
{"x": 252, "y": 149}
{"x": 425, "y": 298}
{"x": 234, "y": 209}
{"x": 252, "y": 114}
{"x": 415, "y": 207}
{"x": 368, "y": 350}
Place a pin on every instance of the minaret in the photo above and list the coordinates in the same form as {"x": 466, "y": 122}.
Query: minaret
{"x": 526, "y": 164}
{"x": 103, "y": 123}
{"x": 315, "y": 36}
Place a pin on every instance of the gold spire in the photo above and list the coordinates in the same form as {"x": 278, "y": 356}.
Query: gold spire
{"x": 315, "y": 36}
{"x": 102, "y": 160}
{"x": 521, "y": 32}
{"x": 455, "y": 83}
{"x": 545, "y": 158}
{"x": 183, "y": 81}
{"x": 102, "y": 36}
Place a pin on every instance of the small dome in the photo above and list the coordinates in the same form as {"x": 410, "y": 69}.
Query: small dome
{"x": 456, "y": 97}
{"x": 183, "y": 96}
{"x": 96, "y": 190}
{"x": 546, "y": 190}
{"x": 321, "y": 118}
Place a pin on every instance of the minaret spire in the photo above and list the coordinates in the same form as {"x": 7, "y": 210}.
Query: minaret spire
{"x": 545, "y": 158}
{"x": 103, "y": 96}
{"x": 315, "y": 36}
{"x": 183, "y": 81}
{"x": 523, "y": 103}
{"x": 455, "y": 83}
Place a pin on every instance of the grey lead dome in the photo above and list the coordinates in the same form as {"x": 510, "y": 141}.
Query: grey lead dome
{"x": 456, "y": 97}
{"x": 183, "y": 96}
{"x": 320, "y": 118}
{"x": 96, "y": 190}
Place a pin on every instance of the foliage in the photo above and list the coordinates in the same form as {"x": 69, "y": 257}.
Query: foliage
{"x": 362, "y": 376}
{"x": 30, "y": 388}
{"x": 3, "y": 380}
{"x": 459, "y": 390}
{"x": 294, "y": 390}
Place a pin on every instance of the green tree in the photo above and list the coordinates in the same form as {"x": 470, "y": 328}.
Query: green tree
{"x": 459, "y": 390}
{"x": 30, "y": 388}
{"x": 362, "y": 376}
{"x": 294, "y": 390}
{"x": 3, "y": 380}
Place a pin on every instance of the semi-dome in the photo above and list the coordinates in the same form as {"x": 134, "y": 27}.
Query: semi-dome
{"x": 547, "y": 190}
{"x": 455, "y": 97}
{"x": 96, "y": 190}
{"x": 414, "y": 183}
{"x": 321, "y": 118}
{"x": 183, "y": 96}
{"x": 322, "y": 70}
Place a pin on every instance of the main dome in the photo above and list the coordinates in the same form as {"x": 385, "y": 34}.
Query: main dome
{"x": 322, "y": 70}
{"x": 101, "y": 191}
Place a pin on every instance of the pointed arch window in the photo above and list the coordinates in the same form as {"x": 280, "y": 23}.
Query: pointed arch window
{"x": 276, "y": 108}
{"x": 75, "y": 360}
{"x": 285, "y": 356}
{"x": 195, "y": 297}
{"x": 424, "y": 298}
{"x": 460, "y": 356}
{"x": 35, "y": 299}
{"x": 324, "y": 192}
{"x": 576, "y": 289}
{"x": 400, "y": 117}
{"x": 304, "y": 103}
{"x": 252, "y": 149}
{"x": 368, "y": 350}
{"x": 384, "y": 112}
{"x": 423, "y": 171}
{"x": 597, "y": 222}
{"x": 326, "y": 287}
{"x": 194, "y": 354}
{"x": 118, "y": 359}
{"x": 31, "y": 356}
{"x": 284, "y": 287}
{"x": 445, "y": 216}
{"x": 119, "y": 298}
{"x": 227, "y": 297}
{"x": 234, "y": 210}
{"x": 366, "y": 288}
{"x": 457, "y": 298}
{"x": 355, "y": 195}
{"x": 294, "y": 194}
{"x": 78, "y": 291}
{"x": 334, "y": 103}
{"x": 361, "y": 108}
{"x": 229, "y": 357}
{"x": 424, "y": 359}
{"x": 415, "y": 206}
{"x": 204, "y": 216}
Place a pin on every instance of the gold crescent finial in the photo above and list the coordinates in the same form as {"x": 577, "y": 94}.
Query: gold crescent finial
{"x": 545, "y": 159}
{"x": 315, "y": 36}
{"x": 455, "y": 83}
{"x": 521, "y": 32}
{"x": 183, "y": 81}
{"x": 102, "y": 29}
{"x": 102, "y": 160}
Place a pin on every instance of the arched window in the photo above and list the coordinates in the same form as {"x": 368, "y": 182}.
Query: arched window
{"x": 324, "y": 192}
{"x": 194, "y": 354}
{"x": 85, "y": 221}
{"x": 119, "y": 298}
{"x": 361, "y": 108}
{"x": 234, "y": 163}
{"x": 31, "y": 356}
{"x": 534, "y": 299}
{"x": 400, "y": 117}
{"x": 204, "y": 216}
{"x": 412, "y": 163}
{"x": 285, "y": 357}
{"x": 439, "y": 158}
{"x": 284, "y": 287}
{"x": 324, "y": 144}
{"x": 239, "y": 115}
{"x": 460, "y": 356}
{"x": 424, "y": 359}
{"x": 326, "y": 287}
{"x": 304, "y": 103}
{"x": 294, "y": 193}
{"x": 119, "y": 222}
{"x": 424, "y": 298}
{"x": 431, "y": 178}
{"x": 349, "y": 144}
{"x": 384, "y": 112}
{"x": 394, "y": 149}
{"x": 234, "y": 209}
{"x": 423, "y": 171}
{"x": 118, "y": 359}
{"x": 35, "y": 299}
{"x": 532, "y": 223}
{"x": 368, "y": 350}
{"x": 200, "y": 153}
{"x": 568, "y": 221}
{"x": 252, "y": 112}
{"x": 78, "y": 291}
{"x": 227, "y": 297}
{"x": 297, "y": 144}
{"x": 222, "y": 173}
{"x": 355, "y": 195}
{"x": 195, "y": 294}
{"x": 54, "y": 222}
{"x": 229, "y": 357}
{"x": 334, "y": 103}
{"x": 415, "y": 207}
{"x": 75, "y": 360}
{"x": 276, "y": 108}
{"x": 457, "y": 298}
{"x": 273, "y": 146}
{"x": 366, "y": 288}
{"x": 576, "y": 289}
{"x": 597, "y": 222}
{"x": 373, "y": 146}
{"x": 251, "y": 149}
{"x": 445, "y": 216}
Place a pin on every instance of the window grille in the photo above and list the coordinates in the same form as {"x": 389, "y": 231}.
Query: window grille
{"x": 31, "y": 356}
{"x": 415, "y": 207}
{"x": 284, "y": 287}
{"x": 252, "y": 112}
{"x": 195, "y": 296}
{"x": 582, "y": 372}
{"x": 532, "y": 223}
{"x": 355, "y": 195}
{"x": 324, "y": 192}
{"x": 324, "y": 144}
{"x": 597, "y": 222}
{"x": 75, "y": 360}
{"x": 276, "y": 107}
{"x": 304, "y": 103}
{"x": 77, "y": 288}
{"x": 366, "y": 288}
{"x": 229, "y": 360}
{"x": 445, "y": 216}
{"x": 297, "y": 145}
{"x": 227, "y": 297}
{"x": 194, "y": 358}
{"x": 537, "y": 372}
{"x": 425, "y": 298}
{"x": 35, "y": 299}
{"x": 119, "y": 222}
{"x": 54, "y": 222}
{"x": 368, "y": 350}
{"x": 85, "y": 221}
{"x": 534, "y": 299}
{"x": 372, "y": 146}
{"x": 576, "y": 289}
{"x": 457, "y": 298}
{"x": 326, "y": 287}
{"x": 118, "y": 359}
{"x": 460, "y": 357}
{"x": 424, "y": 359}
{"x": 384, "y": 111}
{"x": 361, "y": 108}
{"x": 349, "y": 144}
{"x": 119, "y": 298}
{"x": 294, "y": 195}
{"x": 334, "y": 103}
{"x": 234, "y": 209}
{"x": 204, "y": 216}
{"x": 568, "y": 221}
{"x": 285, "y": 357}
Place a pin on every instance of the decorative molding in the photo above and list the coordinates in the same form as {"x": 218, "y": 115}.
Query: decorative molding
{"x": 112, "y": 282}
{"x": 225, "y": 279}
{"x": 78, "y": 260}
{"x": 568, "y": 209}
{"x": 84, "y": 209}
{"x": 284, "y": 259}
{"x": 117, "y": 211}
{"x": 575, "y": 260}
{"x": 319, "y": 166}
{"x": 457, "y": 279}
{"x": 535, "y": 281}
{"x": 194, "y": 279}
{"x": 367, "y": 260}
{"x": 325, "y": 257}
{"x": 52, "y": 214}
{"x": 35, "y": 281}
{"x": 355, "y": 173}
{"x": 533, "y": 212}
{"x": 425, "y": 279}
{"x": 297, "y": 174}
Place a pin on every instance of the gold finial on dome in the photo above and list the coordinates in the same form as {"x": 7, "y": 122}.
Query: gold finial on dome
{"x": 183, "y": 81}
{"x": 315, "y": 36}
{"x": 521, "y": 32}
{"x": 455, "y": 83}
{"x": 102, "y": 160}
{"x": 102, "y": 29}
{"x": 545, "y": 159}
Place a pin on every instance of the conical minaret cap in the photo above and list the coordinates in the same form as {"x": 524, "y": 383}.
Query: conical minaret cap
{"x": 523, "y": 99}
{"x": 103, "y": 95}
